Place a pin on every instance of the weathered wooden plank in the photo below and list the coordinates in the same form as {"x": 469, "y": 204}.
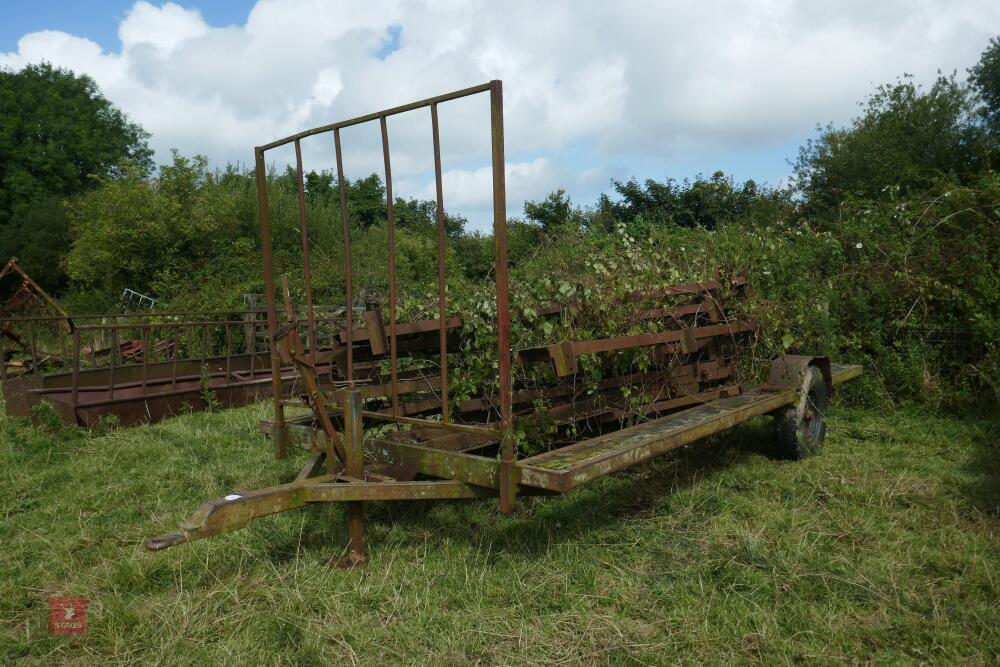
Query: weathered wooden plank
{"x": 564, "y": 468}
{"x": 841, "y": 373}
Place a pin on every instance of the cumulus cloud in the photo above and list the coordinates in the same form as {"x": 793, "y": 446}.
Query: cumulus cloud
{"x": 163, "y": 28}
{"x": 473, "y": 188}
{"x": 585, "y": 83}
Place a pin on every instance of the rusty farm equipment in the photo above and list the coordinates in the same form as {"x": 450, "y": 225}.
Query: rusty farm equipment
{"x": 383, "y": 426}
{"x": 139, "y": 367}
{"x": 136, "y": 366}
{"x": 27, "y": 299}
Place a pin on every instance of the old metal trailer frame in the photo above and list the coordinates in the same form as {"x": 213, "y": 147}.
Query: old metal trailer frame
{"x": 439, "y": 451}
{"x": 141, "y": 367}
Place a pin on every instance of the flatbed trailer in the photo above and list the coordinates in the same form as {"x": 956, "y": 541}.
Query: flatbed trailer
{"x": 403, "y": 439}
{"x": 461, "y": 475}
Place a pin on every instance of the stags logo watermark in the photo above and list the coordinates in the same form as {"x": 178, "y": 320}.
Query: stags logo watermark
{"x": 67, "y": 615}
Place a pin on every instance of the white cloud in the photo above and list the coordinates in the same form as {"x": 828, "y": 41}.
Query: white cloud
{"x": 164, "y": 28}
{"x": 628, "y": 81}
{"x": 62, "y": 49}
{"x": 473, "y": 188}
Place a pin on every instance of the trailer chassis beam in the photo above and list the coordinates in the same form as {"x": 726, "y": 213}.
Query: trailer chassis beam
{"x": 229, "y": 513}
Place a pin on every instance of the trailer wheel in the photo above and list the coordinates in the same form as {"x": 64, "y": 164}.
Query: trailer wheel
{"x": 800, "y": 428}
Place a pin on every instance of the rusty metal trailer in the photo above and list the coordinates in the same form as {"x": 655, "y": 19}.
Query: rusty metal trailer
{"x": 143, "y": 367}
{"x": 137, "y": 367}
{"x": 379, "y": 430}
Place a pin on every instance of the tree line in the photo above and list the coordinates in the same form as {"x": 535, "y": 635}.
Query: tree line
{"x": 882, "y": 248}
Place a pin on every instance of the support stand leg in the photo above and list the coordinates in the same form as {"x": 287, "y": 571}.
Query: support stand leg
{"x": 508, "y": 480}
{"x": 356, "y": 533}
{"x": 355, "y": 467}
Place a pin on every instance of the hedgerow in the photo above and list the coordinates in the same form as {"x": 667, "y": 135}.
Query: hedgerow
{"x": 882, "y": 251}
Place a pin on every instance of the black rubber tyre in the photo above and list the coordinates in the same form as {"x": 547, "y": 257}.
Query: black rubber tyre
{"x": 800, "y": 429}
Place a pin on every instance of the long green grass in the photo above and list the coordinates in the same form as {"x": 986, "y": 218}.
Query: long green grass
{"x": 884, "y": 547}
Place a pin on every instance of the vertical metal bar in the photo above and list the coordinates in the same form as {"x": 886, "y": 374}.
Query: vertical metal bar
{"x": 304, "y": 233}
{"x": 175, "y": 346}
{"x": 253, "y": 347}
{"x": 247, "y": 326}
{"x": 391, "y": 226}
{"x": 145, "y": 357}
{"x": 62, "y": 345}
{"x": 229, "y": 352}
{"x": 508, "y": 486}
{"x": 355, "y": 467}
{"x": 442, "y": 298}
{"x": 113, "y": 355}
{"x": 204, "y": 343}
{"x": 32, "y": 347}
{"x": 272, "y": 312}
{"x": 345, "y": 223}
{"x": 75, "y": 395}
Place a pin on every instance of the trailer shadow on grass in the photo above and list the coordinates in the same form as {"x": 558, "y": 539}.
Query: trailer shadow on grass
{"x": 540, "y": 521}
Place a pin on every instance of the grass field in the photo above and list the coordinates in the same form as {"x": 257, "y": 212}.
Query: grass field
{"x": 885, "y": 547}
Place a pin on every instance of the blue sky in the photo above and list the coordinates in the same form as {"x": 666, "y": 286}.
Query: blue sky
{"x": 95, "y": 19}
{"x": 593, "y": 91}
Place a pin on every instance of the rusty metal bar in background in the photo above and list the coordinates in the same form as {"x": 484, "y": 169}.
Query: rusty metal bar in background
{"x": 441, "y": 249}
{"x": 75, "y": 395}
{"x": 174, "y": 347}
{"x": 391, "y": 228}
{"x": 112, "y": 359}
{"x": 304, "y": 233}
{"x": 229, "y": 353}
{"x": 508, "y": 487}
{"x": 272, "y": 304}
{"x": 145, "y": 357}
{"x": 251, "y": 346}
{"x": 163, "y": 314}
{"x": 204, "y": 343}
{"x": 177, "y": 325}
{"x": 31, "y": 346}
{"x": 345, "y": 224}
